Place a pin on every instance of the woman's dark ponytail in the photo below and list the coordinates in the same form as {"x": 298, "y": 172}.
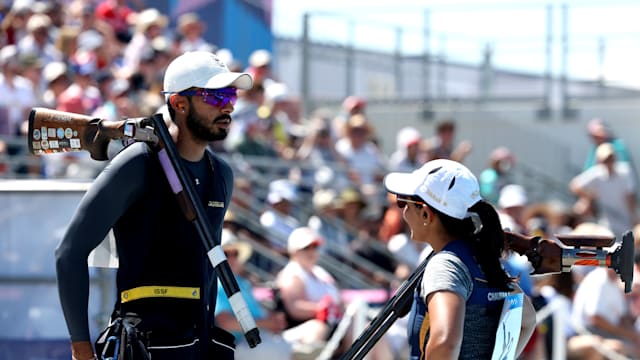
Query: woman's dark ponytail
{"x": 488, "y": 245}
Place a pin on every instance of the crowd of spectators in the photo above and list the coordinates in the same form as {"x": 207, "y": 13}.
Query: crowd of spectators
{"x": 324, "y": 173}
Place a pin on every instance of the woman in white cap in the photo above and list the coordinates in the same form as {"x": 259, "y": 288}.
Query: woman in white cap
{"x": 458, "y": 304}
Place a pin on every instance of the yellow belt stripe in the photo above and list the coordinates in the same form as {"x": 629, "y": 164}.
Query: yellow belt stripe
{"x": 141, "y": 292}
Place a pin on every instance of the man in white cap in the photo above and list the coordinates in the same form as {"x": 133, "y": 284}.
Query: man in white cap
{"x": 164, "y": 276}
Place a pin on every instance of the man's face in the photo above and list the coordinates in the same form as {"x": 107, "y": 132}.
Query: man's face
{"x": 206, "y": 129}
{"x": 209, "y": 120}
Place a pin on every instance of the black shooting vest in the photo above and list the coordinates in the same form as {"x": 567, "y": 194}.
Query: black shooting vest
{"x": 158, "y": 246}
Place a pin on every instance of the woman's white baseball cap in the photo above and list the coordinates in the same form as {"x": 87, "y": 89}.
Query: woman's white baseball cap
{"x": 445, "y": 185}
{"x": 202, "y": 69}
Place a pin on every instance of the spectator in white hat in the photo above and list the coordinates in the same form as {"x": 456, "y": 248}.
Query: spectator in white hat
{"x": 607, "y": 191}
{"x": 309, "y": 294}
{"x": 463, "y": 285}
{"x": 191, "y": 28}
{"x": 278, "y": 218}
{"x": 600, "y": 132}
{"x": 270, "y": 323}
{"x": 37, "y": 41}
{"x": 511, "y": 205}
{"x": 17, "y": 92}
{"x": 260, "y": 66}
{"x": 311, "y": 297}
{"x": 149, "y": 24}
{"x": 15, "y": 21}
{"x": 407, "y": 157}
{"x": 600, "y": 315}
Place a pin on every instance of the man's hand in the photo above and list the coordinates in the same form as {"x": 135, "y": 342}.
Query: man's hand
{"x": 82, "y": 350}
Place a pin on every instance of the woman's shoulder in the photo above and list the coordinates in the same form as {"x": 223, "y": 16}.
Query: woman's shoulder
{"x": 445, "y": 258}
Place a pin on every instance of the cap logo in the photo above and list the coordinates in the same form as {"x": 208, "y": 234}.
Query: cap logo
{"x": 434, "y": 196}
{"x": 218, "y": 61}
{"x": 475, "y": 194}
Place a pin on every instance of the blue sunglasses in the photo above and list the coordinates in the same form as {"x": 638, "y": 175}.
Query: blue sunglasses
{"x": 214, "y": 97}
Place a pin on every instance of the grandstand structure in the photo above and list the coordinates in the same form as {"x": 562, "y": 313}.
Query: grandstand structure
{"x": 411, "y": 79}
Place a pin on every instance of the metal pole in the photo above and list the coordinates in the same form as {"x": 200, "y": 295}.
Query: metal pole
{"x": 485, "y": 77}
{"x": 549, "y": 58}
{"x": 304, "y": 76}
{"x": 398, "y": 62}
{"x": 442, "y": 68}
{"x": 565, "y": 58}
{"x": 602, "y": 45}
{"x": 426, "y": 58}
{"x": 350, "y": 61}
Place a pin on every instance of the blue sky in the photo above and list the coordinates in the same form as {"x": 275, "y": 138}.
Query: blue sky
{"x": 604, "y": 36}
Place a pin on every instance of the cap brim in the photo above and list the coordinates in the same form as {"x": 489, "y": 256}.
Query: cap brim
{"x": 239, "y": 80}
{"x": 401, "y": 183}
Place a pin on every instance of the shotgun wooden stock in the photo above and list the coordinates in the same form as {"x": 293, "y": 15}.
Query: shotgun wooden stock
{"x": 52, "y": 131}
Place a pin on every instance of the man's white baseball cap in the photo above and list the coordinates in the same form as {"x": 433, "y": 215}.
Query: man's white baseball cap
{"x": 445, "y": 185}
{"x": 202, "y": 69}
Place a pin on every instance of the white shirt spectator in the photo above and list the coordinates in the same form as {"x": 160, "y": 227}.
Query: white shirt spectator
{"x": 366, "y": 161}
{"x": 610, "y": 194}
{"x": 599, "y": 295}
{"x": 16, "y": 100}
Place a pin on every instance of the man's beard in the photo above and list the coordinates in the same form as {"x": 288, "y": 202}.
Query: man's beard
{"x": 201, "y": 131}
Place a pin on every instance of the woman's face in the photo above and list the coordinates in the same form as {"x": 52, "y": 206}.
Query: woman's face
{"x": 413, "y": 214}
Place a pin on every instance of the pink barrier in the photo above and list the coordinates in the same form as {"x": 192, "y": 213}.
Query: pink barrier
{"x": 371, "y": 296}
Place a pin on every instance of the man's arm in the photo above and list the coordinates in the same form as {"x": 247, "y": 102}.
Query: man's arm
{"x": 109, "y": 196}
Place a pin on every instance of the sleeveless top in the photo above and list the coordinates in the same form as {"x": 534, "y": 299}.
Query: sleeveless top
{"x": 455, "y": 269}
{"x": 317, "y": 284}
